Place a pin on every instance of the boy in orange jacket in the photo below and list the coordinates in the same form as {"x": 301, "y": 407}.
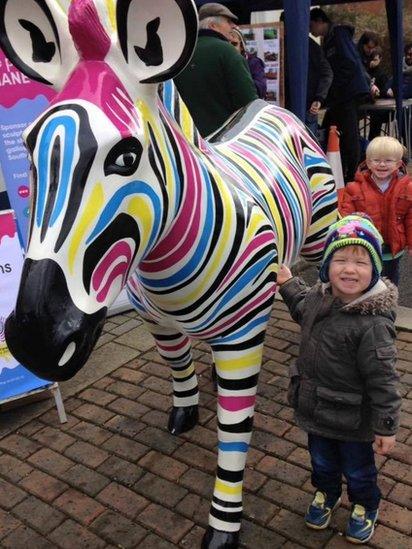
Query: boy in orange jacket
{"x": 383, "y": 190}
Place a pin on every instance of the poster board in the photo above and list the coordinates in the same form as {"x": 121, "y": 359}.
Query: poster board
{"x": 21, "y": 101}
{"x": 265, "y": 40}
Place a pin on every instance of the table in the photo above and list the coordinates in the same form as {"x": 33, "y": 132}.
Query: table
{"x": 391, "y": 126}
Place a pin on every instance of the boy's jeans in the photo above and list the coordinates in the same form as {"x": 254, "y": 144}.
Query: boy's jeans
{"x": 331, "y": 458}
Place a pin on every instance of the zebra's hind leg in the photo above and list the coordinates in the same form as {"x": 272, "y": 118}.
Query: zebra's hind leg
{"x": 237, "y": 370}
{"x": 176, "y": 350}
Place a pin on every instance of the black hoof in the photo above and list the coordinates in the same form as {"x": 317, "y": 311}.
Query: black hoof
{"x": 214, "y": 377}
{"x": 182, "y": 419}
{"x": 216, "y": 539}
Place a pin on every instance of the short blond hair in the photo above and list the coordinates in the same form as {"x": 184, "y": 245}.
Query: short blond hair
{"x": 385, "y": 145}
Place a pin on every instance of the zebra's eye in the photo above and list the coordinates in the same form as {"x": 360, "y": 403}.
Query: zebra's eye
{"x": 124, "y": 157}
{"x": 126, "y": 160}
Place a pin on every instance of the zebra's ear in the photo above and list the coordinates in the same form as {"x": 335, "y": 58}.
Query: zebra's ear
{"x": 157, "y": 37}
{"x": 35, "y": 37}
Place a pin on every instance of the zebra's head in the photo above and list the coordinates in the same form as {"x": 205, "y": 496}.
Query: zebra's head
{"x": 99, "y": 191}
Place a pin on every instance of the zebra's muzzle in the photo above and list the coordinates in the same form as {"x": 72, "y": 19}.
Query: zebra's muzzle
{"x": 46, "y": 332}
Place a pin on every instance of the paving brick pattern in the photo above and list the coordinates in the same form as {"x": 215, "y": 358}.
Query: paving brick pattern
{"x": 114, "y": 477}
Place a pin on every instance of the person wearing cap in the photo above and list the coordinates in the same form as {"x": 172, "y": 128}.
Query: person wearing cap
{"x": 217, "y": 81}
{"x": 343, "y": 385}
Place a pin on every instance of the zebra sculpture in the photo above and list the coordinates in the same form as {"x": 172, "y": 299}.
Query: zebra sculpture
{"x": 126, "y": 192}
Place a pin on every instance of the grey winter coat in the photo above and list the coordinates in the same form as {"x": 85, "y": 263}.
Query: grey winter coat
{"x": 344, "y": 383}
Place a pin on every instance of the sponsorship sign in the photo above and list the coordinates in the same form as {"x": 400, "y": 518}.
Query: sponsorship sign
{"x": 15, "y": 380}
{"x": 21, "y": 102}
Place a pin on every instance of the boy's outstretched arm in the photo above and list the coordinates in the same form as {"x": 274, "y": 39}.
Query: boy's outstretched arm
{"x": 293, "y": 290}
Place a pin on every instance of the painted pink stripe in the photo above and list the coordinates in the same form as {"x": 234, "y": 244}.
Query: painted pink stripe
{"x": 250, "y": 306}
{"x": 234, "y": 404}
{"x": 94, "y": 81}
{"x": 186, "y": 226}
{"x": 119, "y": 270}
{"x": 120, "y": 249}
{"x": 176, "y": 347}
{"x": 256, "y": 243}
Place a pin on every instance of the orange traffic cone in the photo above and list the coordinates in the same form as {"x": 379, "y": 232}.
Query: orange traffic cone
{"x": 333, "y": 156}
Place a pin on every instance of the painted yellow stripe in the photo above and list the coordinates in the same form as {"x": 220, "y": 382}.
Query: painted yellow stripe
{"x": 112, "y": 13}
{"x": 221, "y": 249}
{"x": 225, "y": 489}
{"x": 184, "y": 373}
{"x": 186, "y": 121}
{"x": 90, "y": 211}
{"x": 139, "y": 208}
{"x": 264, "y": 189}
{"x": 149, "y": 118}
{"x": 246, "y": 361}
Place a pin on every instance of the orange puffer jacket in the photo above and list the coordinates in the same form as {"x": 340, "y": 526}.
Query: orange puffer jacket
{"x": 390, "y": 211}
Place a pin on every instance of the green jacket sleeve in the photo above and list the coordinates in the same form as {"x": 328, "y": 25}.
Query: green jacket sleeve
{"x": 376, "y": 360}
{"x": 294, "y": 292}
{"x": 240, "y": 85}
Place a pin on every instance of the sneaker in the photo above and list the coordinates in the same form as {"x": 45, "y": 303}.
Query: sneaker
{"x": 320, "y": 511}
{"x": 361, "y": 524}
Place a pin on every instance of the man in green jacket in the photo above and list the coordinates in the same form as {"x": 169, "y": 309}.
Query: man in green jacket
{"x": 217, "y": 81}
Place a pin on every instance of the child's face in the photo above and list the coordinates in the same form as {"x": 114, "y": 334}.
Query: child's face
{"x": 350, "y": 272}
{"x": 382, "y": 166}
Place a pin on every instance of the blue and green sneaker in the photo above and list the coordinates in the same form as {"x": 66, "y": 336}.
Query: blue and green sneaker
{"x": 361, "y": 524}
{"x": 320, "y": 510}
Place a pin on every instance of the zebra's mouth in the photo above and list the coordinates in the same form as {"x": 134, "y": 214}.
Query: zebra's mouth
{"x": 51, "y": 337}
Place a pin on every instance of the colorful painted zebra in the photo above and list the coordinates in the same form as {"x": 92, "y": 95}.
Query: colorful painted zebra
{"x": 125, "y": 191}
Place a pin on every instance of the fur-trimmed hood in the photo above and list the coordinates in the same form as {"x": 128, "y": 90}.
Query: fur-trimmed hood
{"x": 381, "y": 299}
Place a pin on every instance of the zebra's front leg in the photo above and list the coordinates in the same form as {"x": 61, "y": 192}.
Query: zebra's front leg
{"x": 237, "y": 376}
{"x": 176, "y": 350}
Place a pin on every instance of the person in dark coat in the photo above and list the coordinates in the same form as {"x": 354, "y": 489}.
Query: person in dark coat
{"x": 380, "y": 81}
{"x": 348, "y": 88}
{"x": 320, "y": 76}
{"x": 217, "y": 81}
{"x": 256, "y": 65}
{"x": 344, "y": 386}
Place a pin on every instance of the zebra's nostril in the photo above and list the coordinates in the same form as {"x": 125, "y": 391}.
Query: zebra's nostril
{"x": 68, "y": 353}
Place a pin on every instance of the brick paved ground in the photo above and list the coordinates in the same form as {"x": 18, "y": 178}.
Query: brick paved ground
{"x": 113, "y": 477}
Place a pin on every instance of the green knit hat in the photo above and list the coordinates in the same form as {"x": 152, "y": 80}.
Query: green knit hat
{"x": 350, "y": 231}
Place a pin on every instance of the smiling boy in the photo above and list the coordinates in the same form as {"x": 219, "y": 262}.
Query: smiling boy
{"x": 383, "y": 190}
{"x": 343, "y": 385}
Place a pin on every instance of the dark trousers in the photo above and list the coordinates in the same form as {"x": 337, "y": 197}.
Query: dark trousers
{"x": 376, "y": 119}
{"x": 355, "y": 460}
{"x": 345, "y": 117}
{"x": 391, "y": 269}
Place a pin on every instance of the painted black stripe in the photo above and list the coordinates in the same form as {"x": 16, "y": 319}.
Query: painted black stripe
{"x": 241, "y": 346}
{"x": 248, "y": 317}
{"x": 244, "y": 426}
{"x": 230, "y": 476}
{"x": 188, "y": 393}
{"x": 236, "y": 384}
{"x": 54, "y": 171}
{"x": 228, "y": 504}
{"x": 88, "y": 147}
{"x": 236, "y": 516}
{"x": 122, "y": 227}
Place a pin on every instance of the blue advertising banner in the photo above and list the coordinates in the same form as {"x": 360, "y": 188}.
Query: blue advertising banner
{"x": 15, "y": 380}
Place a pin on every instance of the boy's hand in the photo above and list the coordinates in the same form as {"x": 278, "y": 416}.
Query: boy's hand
{"x": 284, "y": 275}
{"x": 410, "y": 251}
{"x": 384, "y": 445}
